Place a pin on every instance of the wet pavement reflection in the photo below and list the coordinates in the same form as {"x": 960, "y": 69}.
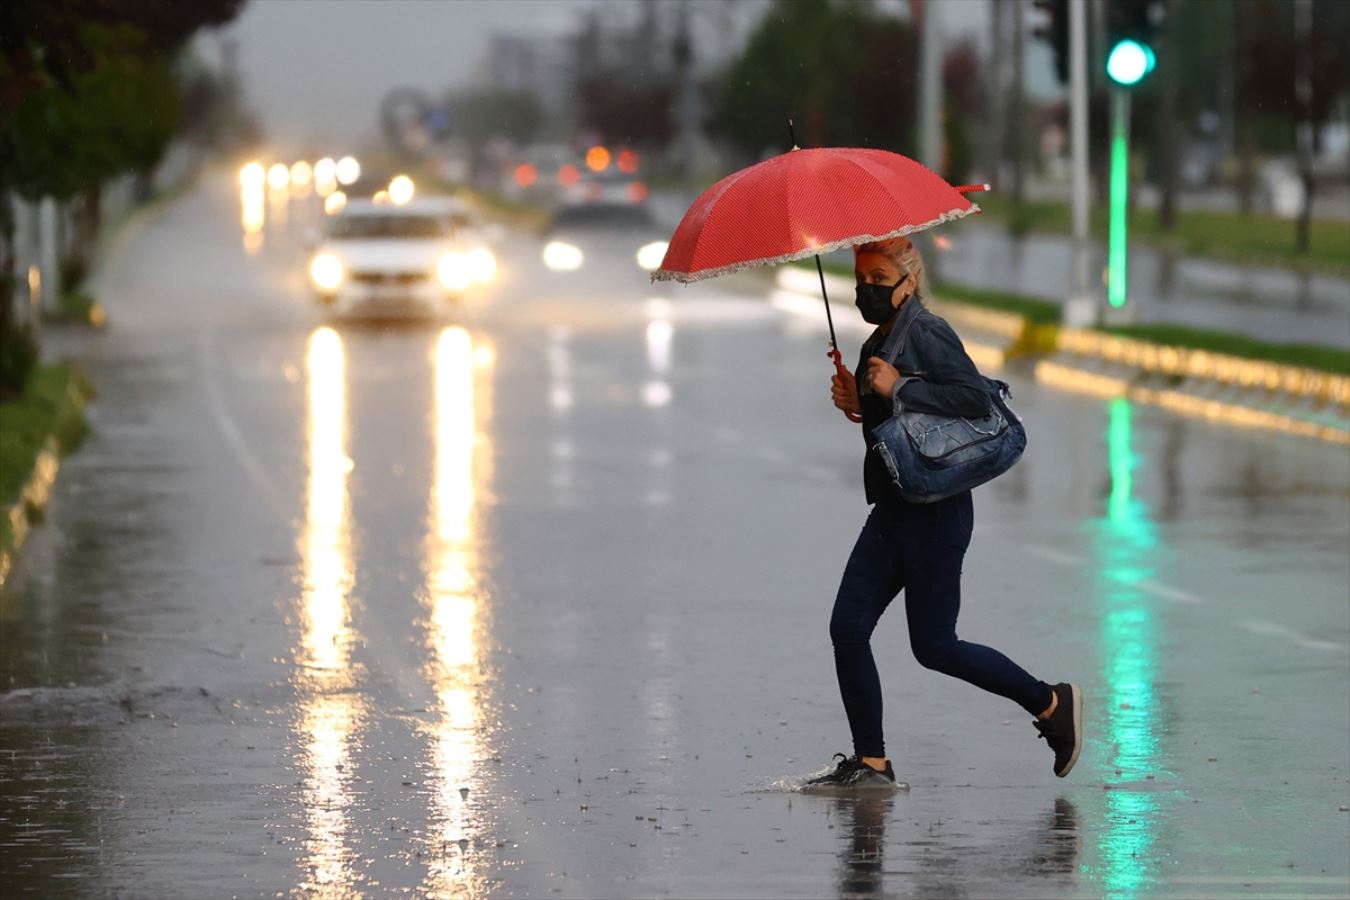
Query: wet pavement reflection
{"x": 1138, "y": 783}
{"x": 456, "y": 600}
{"x": 534, "y": 603}
{"x": 330, "y": 705}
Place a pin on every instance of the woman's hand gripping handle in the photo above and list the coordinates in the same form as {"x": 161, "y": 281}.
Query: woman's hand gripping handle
{"x": 844, "y": 389}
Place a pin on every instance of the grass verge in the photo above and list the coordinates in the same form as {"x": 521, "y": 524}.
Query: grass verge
{"x": 76, "y": 307}
{"x": 1248, "y": 238}
{"x": 1311, "y": 356}
{"x": 1040, "y": 312}
{"x": 51, "y": 406}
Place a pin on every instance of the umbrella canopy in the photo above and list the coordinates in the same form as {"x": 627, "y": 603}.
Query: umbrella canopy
{"x": 804, "y": 203}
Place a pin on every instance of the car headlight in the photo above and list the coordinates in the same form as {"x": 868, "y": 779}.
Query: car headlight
{"x": 326, "y": 270}
{"x": 455, "y": 271}
{"x": 482, "y": 264}
{"x": 650, "y": 256}
{"x": 563, "y": 257}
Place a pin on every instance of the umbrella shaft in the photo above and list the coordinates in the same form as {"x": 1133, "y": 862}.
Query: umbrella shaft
{"x": 828, "y": 318}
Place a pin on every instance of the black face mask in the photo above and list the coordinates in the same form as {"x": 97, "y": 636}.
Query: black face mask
{"x": 874, "y": 301}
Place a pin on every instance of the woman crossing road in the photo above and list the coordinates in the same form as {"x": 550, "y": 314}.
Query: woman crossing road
{"x": 911, "y": 547}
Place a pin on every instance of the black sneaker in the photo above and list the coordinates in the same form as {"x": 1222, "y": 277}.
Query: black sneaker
{"x": 1063, "y": 731}
{"x": 851, "y": 773}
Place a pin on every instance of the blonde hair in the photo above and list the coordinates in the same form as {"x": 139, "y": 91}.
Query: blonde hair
{"x": 902, "y": 252}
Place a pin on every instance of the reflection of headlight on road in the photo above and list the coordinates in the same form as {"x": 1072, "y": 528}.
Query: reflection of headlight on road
{"x": 652, "y": 255}
{"x": 563, "y": 257}
{"x": 455, "y": 271}
{"x": 482, "y": 264}
{"x": 326, "y": 270}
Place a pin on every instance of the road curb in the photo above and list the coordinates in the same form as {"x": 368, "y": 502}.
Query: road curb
{"x": 1231, "y": 371}
{"x": 1206, "y": 400}
{"x": 1227, "y": 389}
{"x": 36, "y": 491}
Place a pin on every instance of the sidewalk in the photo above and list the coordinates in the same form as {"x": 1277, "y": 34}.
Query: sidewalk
{"x": 1270, "y": 304}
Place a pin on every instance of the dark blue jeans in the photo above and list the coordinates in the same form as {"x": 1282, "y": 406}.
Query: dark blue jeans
{"x": 917, "y": 548}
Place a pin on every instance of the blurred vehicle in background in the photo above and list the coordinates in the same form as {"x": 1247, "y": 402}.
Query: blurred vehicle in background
{"x": 608, "y": 230}
{"x": 610, "y": 186}
{"x": 464, "y": 220}
{"x": 382, "y": 259}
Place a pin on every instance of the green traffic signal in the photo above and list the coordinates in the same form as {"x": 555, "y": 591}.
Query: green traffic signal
{"x": 1129, "y": 62}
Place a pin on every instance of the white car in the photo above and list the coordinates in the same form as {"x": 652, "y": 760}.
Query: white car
{"x": 379, "y": 259}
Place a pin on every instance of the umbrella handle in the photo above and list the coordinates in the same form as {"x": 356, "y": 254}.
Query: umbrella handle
{"x": 835, "y": 355}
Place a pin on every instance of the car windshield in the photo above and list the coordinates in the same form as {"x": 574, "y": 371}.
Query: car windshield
{"x": 385, "y": 226}
{"x": 602, "y": 215}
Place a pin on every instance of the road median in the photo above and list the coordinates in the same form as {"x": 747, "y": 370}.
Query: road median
{"x": 40, "y": 426}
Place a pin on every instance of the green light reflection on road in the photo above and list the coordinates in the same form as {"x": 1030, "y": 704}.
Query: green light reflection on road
{"x": 1127, "y": 549}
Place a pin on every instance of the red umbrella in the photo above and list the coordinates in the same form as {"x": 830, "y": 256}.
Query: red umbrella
{"x": 804, "y": 203}
{"x": 807, "y": 202}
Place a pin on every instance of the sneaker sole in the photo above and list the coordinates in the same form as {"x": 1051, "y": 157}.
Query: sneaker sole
{"x": 1077, "y": 729}
{"x": 853, "y": 790}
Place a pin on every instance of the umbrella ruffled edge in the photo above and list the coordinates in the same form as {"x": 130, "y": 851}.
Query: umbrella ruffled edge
{"x": 690, "y": 277}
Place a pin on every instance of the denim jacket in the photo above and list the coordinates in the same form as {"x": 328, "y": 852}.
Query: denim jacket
{"x": 936, "y": 376}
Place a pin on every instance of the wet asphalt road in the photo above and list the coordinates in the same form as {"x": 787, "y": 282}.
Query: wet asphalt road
{"x": 535, "y": 604}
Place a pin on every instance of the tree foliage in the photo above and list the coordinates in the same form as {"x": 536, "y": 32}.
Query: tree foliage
{"x": 87, "y": 91}
{"x": 842, "y": 70}
{"x": 478, "y": 116}
{"x": 1270, "y": 50}
{"x": 117, "y": 115}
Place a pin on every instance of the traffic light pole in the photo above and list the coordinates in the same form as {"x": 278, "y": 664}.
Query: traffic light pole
{"x": 1117, "y": 253}
{"x": 1081, "y": 310}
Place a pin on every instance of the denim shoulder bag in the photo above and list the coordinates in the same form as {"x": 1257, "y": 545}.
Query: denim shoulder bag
{"x": 932, "y": 457}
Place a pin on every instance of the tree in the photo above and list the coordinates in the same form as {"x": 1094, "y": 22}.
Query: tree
{"x": 964, "y": 102}
{"x": 844, "y": 72}
{"x": 86, "y": 90}
{"x": 478, "y": 116}
{"x": 1272, "y": 54}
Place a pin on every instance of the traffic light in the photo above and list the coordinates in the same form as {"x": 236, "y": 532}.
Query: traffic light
{"x": 1131, "y": 32}
{"x": 1054, "y": 30}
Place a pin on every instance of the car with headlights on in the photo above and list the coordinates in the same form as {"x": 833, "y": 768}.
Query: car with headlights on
{"x": 623, "y": 234}
{"x": 381, "y": 259}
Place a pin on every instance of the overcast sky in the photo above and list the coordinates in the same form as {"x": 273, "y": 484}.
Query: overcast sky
{"x": 316, "y": 70}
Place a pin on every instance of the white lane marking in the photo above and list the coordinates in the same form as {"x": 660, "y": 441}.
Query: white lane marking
{"x": 1272, "y": 629}
{"x": 1167, "y": 592}
{"x": 229, "y": 429}
{"x": 1335, "y": 880}
{"x": 1056, "y": 556}
{"x": 1156, "y": 588}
